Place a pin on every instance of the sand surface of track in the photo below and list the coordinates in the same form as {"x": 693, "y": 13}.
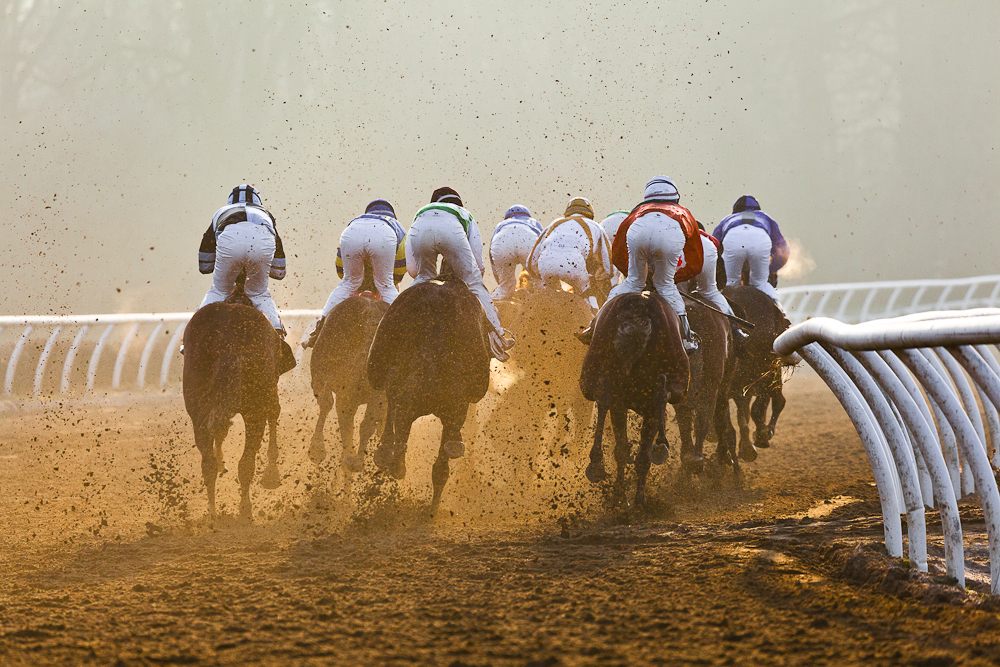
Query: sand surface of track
{"x": 107, "y": 557}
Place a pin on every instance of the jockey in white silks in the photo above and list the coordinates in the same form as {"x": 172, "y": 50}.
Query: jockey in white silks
{"x": 750, "y": 235}
{"x": 444, "y": 228}
{"x": 610, "y": 226}
{"x": 706, "y": 285}
{"x": 243, "y": 236}
{"x": 376, "y": 239}
{"x": 654, "y": 238}
{"x": 510, "y": 244}
{"x": 574, "y": 250}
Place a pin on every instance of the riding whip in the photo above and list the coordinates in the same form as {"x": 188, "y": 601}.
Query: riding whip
{"x": 736, "y": 318}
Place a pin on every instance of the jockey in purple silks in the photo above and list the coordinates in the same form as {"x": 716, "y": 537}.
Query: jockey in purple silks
{"x": 750, "y": 235}
{"x": 510, "y": 245}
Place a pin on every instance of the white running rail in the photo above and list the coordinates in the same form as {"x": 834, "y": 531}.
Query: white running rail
{"x": 141, "y": 341}
{"x": 922, "y": 450}
{"x": 861, "y": 302}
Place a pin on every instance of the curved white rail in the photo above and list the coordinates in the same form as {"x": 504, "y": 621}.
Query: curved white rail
{"x": 945, "y": 442}
{"x": 128, "y": 332}
{"x": 861, "y": 302}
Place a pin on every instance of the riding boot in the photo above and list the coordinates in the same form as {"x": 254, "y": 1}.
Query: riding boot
{"x": 740, "y": 337}
{"x": 287, "y": 361}
{"x": 587, "y": 334}
{"x": 690, "y": 338}
{"x": 314, "y": 334}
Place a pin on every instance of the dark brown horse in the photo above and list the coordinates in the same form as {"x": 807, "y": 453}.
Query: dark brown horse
{"x": 758, "y": 369}
{"x": 231, "y": 366}
{"x": 636, "y": 361}
{"x": 339, "y": 367}
{"x": 431, "y": 357}
{"x": 707, "y": 402}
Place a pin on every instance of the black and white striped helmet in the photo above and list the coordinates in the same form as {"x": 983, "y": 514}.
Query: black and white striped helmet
{"x": 245, "y": 194}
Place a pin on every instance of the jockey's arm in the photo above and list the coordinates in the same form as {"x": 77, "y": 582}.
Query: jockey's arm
{"x": 206, "y": 252}
{"x": 779, "y": 249}
{"x": 278, "y": 263}
{"x": 476, "y": 243}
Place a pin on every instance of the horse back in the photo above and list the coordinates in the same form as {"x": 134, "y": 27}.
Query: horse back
{"x": 230, "y": 362}
{"x": 433, "y": 331}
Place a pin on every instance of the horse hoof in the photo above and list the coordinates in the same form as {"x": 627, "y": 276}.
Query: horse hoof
{"x": 596, "y": 473}
{"x": 353, "y": 463}
{"x": 454, "y": 448}
{"x": 693, "y": 462}
{"x": 384, "y": 457}
{"x": 658, "y": 454}
{"x": 748, "y": 453}
{"x": 270, "y": 479}
{"x": 399, "y": 469}
{"x": 317, "y": 452}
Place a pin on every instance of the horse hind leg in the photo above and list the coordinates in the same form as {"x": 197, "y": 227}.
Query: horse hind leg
{"x": 452, "y": 432}
{"x": 248, "y": 462}
{"x": 317, "y": 448}
{"x": 220, "y": 437}
{"x": 205, "y": 442}
{"x": 777, "y": 405}
{"x": 758, "y": 413}
{"x": 374, "y": 415}
{"x": 747, "y": 451}
{"x": 346, "y": 411}
{"x": 619, "y": 423}
{"x": 595, "y": 470}
{"x": 271, "y": 479}
{"x": 642, "y": 459}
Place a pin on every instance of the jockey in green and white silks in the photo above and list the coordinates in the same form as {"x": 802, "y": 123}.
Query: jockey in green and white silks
{"x": 444, "y": 228}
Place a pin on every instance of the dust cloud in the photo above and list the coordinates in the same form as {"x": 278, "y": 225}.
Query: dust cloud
{"x": 124, "y": 126}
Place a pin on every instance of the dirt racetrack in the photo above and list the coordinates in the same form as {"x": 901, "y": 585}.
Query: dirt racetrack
{"x": 107, "y": 556}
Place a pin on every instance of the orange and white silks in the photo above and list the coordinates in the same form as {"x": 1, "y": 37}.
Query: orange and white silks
{"x": 598, "y": 254}
{"x": 693, "y": 255}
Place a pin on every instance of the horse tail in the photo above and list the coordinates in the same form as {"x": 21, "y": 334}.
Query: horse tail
{"x": 227, "y": 390}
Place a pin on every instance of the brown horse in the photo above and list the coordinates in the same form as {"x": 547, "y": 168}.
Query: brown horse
{"x": 431, "y": 356}
{"x": 707, "y": 402}
{"x": 636, "y": 361}
{"x": 231, "y": 366}
{"x": 758, "y": 369}
{"x": 339, "y": 367}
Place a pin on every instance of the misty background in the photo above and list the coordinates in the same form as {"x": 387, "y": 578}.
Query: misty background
{"x": 868, "y": 129}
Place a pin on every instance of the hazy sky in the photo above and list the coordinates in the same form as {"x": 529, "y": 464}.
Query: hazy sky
{"x": 868, "y": 129}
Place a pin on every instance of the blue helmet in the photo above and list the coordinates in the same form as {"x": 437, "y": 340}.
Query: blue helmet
{"x": 517, "y": 210}
{"x": 746, "y": 202}
{"x": 380, "y": 206}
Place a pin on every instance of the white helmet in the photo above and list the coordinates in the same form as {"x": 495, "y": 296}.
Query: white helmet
{"x": 661, "y": 188}
{"x": 245, "y": 194}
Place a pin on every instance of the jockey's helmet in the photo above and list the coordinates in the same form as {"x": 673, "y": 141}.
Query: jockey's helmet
{"x": 661, "y": 188}
{"x": 245, "y": 194}
{"x": 579, "y": 206}
{"x": 746, "y": 202}
{"x": 446, "y": 196}
{"x": 380, "y": 206}
{"x": 518, "y": 211}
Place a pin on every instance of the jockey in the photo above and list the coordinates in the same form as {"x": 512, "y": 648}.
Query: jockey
{"x": 243, "y": 237}
{"x": 444, "y": 228}
{"x": 374, "y": 239}
{"x": 750, "y": 235}
{"x": 510, "y": 244}
{"x": 574, "y": 249}
{"x": 610, "y": 226}
{"x": 655, "y": 237}
{"x": 707, "y": 286}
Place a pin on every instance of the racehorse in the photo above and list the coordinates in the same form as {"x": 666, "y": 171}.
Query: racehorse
{"x": 636, "y": 361}
{"x": 339, "y": 367}
{"x": 758, "y": 368}
{"x": 707, "y": 402}
{"x": 232, "y": 359}
{"x": 430, "y": 355}
{"x": 547, "y": 358}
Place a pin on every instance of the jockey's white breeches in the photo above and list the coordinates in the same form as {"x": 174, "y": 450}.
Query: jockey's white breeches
{"x": 508, "y": 248}
{"x": 436, "y": 233}
{"x": 705, "y": 282}
{"x": 567, "y": 263}
{"x": 746, "y": 243}
{"x": 363, "y": 239}
{"x": 244, "y": 245}
{"x": 655, "y": 242}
